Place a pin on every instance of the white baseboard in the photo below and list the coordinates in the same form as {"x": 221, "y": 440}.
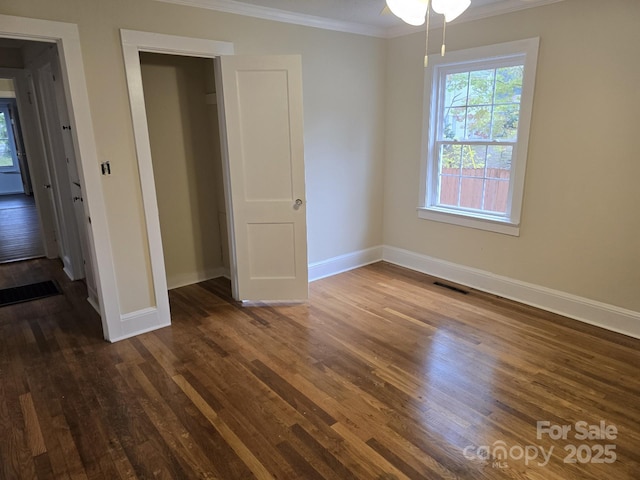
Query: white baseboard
{"x": 91, "y": 301}
{"x": 137, "y": 323}
{"x": 149, "y": 319}
{"x": 600, "y": 314}
{"x": 343, "y": 263}
{"x": 589, "y": 311}
{"x": 66, "y": 268}
{"x": 182, "y": 280}
{"x": 92, "y": 298}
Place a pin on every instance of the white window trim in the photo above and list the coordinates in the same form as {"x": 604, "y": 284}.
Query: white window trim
{"x": 509, "y": 224}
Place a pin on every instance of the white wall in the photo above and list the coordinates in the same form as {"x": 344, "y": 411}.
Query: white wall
{"x": 343, "y": 77}
{"x": 580, "y": 229}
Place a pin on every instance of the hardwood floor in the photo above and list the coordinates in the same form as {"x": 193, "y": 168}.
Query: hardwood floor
{"x": 383, "y": 375}
{"x": 20, "y": 237}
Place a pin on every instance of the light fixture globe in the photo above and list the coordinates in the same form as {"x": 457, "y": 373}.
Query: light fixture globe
{"x": 417, "y": 12}
{"x": 451, "y": 9}
{"x": 412, "y": 12}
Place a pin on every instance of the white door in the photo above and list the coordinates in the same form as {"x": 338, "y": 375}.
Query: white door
{"x": 73, "y": 178}
{"x": 57, "y": 162}
{"x": 260, "y": 109}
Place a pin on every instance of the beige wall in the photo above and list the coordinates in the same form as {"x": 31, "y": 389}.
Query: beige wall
{"x": 343, "y": 78}
{"x": 185, "y": 162}
{"x": 580, "y": 228}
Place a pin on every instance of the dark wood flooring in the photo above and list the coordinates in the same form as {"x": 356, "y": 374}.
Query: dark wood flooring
{"x": 382, "y": 375}
{"x": 20, "y": 237}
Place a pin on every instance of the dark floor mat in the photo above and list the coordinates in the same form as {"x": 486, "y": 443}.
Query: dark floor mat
{"x": 26, "y": 293}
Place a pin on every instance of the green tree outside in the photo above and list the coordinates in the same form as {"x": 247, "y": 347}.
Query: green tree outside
{"x": 6, "y": 160}
{"x": 481, "y": 105}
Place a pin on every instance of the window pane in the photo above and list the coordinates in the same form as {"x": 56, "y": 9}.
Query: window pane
{"x": 478, "y": 123}
{"x": 6, "y": 160}
{"x": 499, "y": 161}
{"x": 481, "y": 85}
{"x": 473, "y": 160}
{"x": 450, "y": 158}
{"x": 471, "y": 193}
{"x": 454, "y": 122}
{"x": 456, "y": 86}
{"x": 449, "y": 190}
{"x": 5, "y": 155}
{"x": 509, "y": 84}
{"x": 496, "y": 193}
{"x": 505, "y": 122}
{"x": 450, "y": 163}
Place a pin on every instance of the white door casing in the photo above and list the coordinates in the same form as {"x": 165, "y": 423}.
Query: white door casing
{"x": 134, "y": 42}
{"x": 261, "y": 118}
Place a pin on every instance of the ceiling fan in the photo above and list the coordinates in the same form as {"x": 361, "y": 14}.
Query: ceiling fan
{"x": 417, "y": 12}
{"x": 414, "y": 12}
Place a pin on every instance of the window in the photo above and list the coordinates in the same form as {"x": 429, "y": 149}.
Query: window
{"x": 478, "y": 108}
{"x": 8, "y": 157}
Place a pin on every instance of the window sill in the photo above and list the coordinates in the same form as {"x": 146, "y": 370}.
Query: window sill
{"x": 465, "y": 220}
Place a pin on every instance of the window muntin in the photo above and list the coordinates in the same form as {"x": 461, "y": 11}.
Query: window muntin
{"x": 478, "y": 104}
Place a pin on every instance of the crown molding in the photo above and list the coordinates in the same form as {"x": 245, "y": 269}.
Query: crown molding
{"x": 267, "y": 13}
{"x": 274, "y": 14}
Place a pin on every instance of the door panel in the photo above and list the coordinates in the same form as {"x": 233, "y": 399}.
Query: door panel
{"x": 260, "y": 102}
{"x": 269, "y": 247}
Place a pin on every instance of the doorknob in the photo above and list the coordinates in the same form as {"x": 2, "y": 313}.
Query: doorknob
{"x": 47, "y": 186}
{"x": 298, "y": 204}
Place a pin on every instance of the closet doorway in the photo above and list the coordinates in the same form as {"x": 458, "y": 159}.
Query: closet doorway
{"x": 182, "y": 118}
{"x": 259, "y": 106}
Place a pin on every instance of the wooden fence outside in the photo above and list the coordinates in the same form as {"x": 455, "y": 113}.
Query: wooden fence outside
{"x": 475, "y": 185}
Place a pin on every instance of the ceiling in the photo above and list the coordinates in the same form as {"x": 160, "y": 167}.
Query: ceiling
{"x": 358, "y": 16}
